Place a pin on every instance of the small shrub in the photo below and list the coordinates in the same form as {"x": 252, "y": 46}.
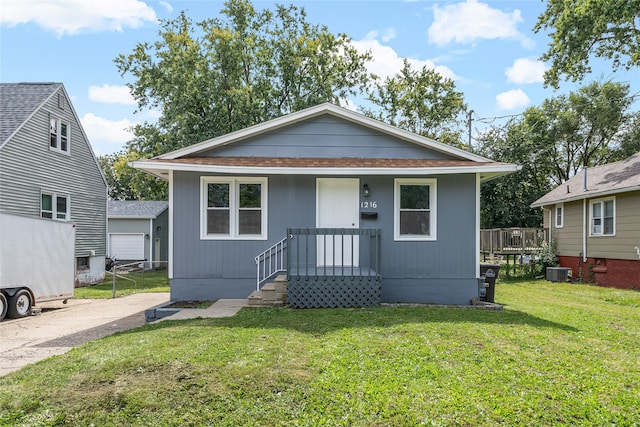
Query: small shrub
{"x": 546, "y": 256}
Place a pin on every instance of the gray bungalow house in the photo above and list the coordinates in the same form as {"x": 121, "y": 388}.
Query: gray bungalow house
{"x": 353, "y": 210}
{"x": 48, "y": 170}
{"x": 139, "y": 230}
{"x": 595, "y": 219}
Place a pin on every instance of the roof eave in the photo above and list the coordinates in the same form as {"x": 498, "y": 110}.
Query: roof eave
{"x": 586, "y": 195}
{"x": 160, "y": 169}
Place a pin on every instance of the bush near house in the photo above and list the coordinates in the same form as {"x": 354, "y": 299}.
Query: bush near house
{"x": 559, "y": 354}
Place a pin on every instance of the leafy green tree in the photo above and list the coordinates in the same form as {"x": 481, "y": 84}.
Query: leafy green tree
{"x": 224, "y": 74}
{"x": 589, "y": 127}
{"x": 423, "y": 102}
{"x": 580, "y": 29}
{"x": 126, "y": 183}
{"x": 117, "y": 187}
{"x": 221, "y": 75}
{"x": 552, "y": 142}
{"x": 506, "y": 200}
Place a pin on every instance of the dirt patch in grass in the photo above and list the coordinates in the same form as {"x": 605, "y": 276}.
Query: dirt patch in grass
{"x": 190, "y": 304}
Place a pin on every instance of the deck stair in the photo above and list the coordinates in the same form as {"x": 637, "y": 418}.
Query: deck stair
{"x": 272, "y": 294}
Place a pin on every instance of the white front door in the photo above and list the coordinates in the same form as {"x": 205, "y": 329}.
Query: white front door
{"x": 337, "y": 201}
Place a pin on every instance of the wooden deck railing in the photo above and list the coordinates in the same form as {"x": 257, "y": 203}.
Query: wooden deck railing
{"x": 508, "y": 241}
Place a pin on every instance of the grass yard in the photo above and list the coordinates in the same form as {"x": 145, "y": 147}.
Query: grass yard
{"x": 559, "y": 354}
{"x": 150, "y": 281}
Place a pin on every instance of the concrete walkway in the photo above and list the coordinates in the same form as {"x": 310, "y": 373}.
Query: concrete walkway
{"x": 60, "y": 327}
{"x": 221, "y": 308}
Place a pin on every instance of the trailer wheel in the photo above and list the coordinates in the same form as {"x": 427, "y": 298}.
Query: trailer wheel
{"x": 20, "y": 304}
{"x": 3, "y": 306}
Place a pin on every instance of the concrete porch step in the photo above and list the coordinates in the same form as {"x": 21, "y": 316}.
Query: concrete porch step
{"x": 272, "y": 294}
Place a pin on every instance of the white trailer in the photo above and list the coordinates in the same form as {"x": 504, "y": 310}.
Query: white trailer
{"x": 37, "y": 262}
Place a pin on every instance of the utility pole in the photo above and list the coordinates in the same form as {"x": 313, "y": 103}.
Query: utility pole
{"x": 469, "y": 119}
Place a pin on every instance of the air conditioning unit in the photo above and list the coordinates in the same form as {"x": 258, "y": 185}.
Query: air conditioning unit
{"x": 558, "y": 274}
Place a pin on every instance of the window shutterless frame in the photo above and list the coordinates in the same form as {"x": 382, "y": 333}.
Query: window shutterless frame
{"x": 602, "y": 217}
{"x": 415, "y": 209}
{"x": 59, "y": 135}
{"x": 559, "y": 216}
{"x": 233, "y": 208}
{"x": 55, "y": 206}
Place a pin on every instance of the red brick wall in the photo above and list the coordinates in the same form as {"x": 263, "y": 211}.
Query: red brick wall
{"x": 613, "y": 273}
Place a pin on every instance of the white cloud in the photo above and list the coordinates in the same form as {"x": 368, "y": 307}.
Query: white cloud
{"x": 111, "y": 94}
{"x": 167, "y": 6}
{"x": 525, "y": 70}
{"x": 389, "y": 35}
{"x": 464, "y": 23}
{"x": 77, "y": 16}
{"x": 104, "y": 132}
{"x": 512, "y": 99}
{"x": 387, "y": 63}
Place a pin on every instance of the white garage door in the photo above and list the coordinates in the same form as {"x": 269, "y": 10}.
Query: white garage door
{"x": 127, "y": 246}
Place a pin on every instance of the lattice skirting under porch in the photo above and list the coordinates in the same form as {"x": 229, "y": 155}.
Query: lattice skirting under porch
{"x": 331, "y": 292}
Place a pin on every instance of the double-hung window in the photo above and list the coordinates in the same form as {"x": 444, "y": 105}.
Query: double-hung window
{"x": 603, "y": 217}
{"x": 559, "y": 216}
{"x": 54, "y": 206}
{"x": 60, "y": 133}
{"x": 234, "y": 208}
{"x": 415, "y": 209}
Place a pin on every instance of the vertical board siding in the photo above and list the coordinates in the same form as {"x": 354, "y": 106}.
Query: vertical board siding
{"x": 28, "y": 166}
{"x": 448, "y": 262}
{"x": 326, "y": 136}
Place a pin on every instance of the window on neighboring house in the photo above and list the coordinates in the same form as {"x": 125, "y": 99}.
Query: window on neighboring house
{"x": 82, "y": 263}
{"x": 603, "y": 217}
{"x": 234, "y": 208}
{"x": 59, "y": 135}
{"x": 415, "y": 209}
{"x": 54, "y": 206}
{"x": 559, "y": 216}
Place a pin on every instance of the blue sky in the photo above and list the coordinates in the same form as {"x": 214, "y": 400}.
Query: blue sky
{"x": 487, "y": 47}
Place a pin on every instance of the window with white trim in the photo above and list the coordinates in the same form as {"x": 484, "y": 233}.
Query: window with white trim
{"x": 60, "y": 133}
{"x": 602, "y": 217}
{"x": 54, "y": 206}
{"x": 559, "y": 216}
{"x": 233, "y": 208}
{"x": 415, "y": 209}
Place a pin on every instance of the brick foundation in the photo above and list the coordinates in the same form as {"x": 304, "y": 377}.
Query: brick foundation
{"x": 613, "y": 273}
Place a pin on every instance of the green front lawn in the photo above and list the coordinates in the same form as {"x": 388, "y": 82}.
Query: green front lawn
{"x": 126, "y": 284}
{"x": 559, "y": 354}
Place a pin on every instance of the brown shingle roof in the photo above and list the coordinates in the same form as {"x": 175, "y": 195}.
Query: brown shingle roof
{"x": 601, "y": 180}
{"x": 306, "y": 162}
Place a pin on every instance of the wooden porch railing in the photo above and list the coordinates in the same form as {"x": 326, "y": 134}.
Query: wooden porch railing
{"x": 333, "y": 267}
{"x": 334, "y": 252}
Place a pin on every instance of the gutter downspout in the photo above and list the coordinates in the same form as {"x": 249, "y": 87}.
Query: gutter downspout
{"x": 584, "y": 230}
{"x": 584, "y": 219}
{"x": 151, "y": 238}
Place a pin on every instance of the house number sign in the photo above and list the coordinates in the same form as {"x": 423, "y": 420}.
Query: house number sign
{"x": 369, "y": 205}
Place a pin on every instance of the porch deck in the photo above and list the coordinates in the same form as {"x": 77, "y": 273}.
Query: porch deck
{"x": 349, "y": 270}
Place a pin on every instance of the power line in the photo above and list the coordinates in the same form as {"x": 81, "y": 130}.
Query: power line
{"x": 489, "y": 120}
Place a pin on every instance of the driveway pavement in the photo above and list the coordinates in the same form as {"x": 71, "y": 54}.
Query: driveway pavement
{"x": 60, "y": 327}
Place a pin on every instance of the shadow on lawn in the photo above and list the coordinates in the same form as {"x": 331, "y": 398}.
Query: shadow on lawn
{"x": 322, "y": 321}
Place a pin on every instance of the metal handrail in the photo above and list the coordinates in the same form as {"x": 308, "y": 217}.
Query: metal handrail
{"x": 271, "y": 261}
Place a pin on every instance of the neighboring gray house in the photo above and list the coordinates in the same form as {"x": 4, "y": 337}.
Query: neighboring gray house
{"x": 139, "y": 231}
{"x": 48, "y": 169}
{"x": 595, "y": 219}
{"x": 354, "y": 210}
